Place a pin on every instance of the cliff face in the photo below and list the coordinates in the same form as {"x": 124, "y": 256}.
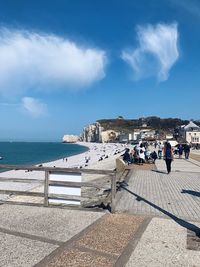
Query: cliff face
{"x": 111, "y": 130}
{"x": 92, "y": 133}
{"x": 70, "y": 138}
{"x": 95, "y": 133}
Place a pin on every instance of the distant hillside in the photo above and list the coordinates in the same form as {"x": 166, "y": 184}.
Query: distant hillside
{"x": 121, "y": 124}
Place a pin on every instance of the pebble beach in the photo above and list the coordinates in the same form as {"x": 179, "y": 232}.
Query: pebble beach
{"x": 98, "y": 156}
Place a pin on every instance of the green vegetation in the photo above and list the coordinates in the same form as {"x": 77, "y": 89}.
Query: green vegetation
{"x": 152, "y": 122}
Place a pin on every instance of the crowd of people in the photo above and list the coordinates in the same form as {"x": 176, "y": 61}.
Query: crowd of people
{"x": 182, "y": 148}
{"x": 141, "y": 153}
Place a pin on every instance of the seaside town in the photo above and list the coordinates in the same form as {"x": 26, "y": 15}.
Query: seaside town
{"x": 150, "y": 204}
{"x": 189, "y": 133}
{"x": 99, "y": 133}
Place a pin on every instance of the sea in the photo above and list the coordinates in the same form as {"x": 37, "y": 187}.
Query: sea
{"x": 28, "y": 153}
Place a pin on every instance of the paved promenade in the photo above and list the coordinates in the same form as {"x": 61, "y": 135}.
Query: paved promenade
{"x": 157, "y": 193}
{"x": 157, "y": 224}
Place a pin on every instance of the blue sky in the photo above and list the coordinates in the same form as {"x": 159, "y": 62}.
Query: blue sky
{"x": 66, "y": 64}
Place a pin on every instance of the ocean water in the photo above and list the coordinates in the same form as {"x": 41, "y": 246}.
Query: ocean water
{"x": 27, "y": 153}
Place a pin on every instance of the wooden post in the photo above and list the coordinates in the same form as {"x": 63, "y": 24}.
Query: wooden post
{"x": 46, "y": 189}
{"x": 113, "y": 193}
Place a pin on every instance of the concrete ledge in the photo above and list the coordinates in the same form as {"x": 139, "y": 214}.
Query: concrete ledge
{"x": 120, "y": 165}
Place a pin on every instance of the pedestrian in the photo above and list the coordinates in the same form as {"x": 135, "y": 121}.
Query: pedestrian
{"x": 160, "y": 149}
{"x": 168, "y": 156}
{"x": 126, "y": 156}
{"x": 155, "y": 145}
{"x": 187, "y": 151}
{"x": 86, "y": 159}
{"x": 136, "y": 155}
{"x": 154, "y": 156}
{"x": 180, "y": 151}
{"x": 141, "y": 154}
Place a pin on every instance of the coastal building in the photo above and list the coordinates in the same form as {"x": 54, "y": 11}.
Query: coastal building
{"x": 130, "y": 136}
{"x": 172, "y": 142}
{"x": 191, "y": 133}
{"x": 147, "y": 133}
{"x": 169, "y": 136}
{"x": 96, "y": 133}
{"x": 124, "y": 137}
{"x": 135, "y": 135}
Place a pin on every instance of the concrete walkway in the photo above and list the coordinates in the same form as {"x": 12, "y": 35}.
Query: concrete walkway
{"x": 166, "y": 243}
{"x": 156, "y": 193}
{"x": 157, "y": 224}
{"x": 172, "y": 240}
{"x": 54, "y": 237}
{"x": 28, "y": 234}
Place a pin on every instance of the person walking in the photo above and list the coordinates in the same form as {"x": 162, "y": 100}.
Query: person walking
{"x": 180, "y": 151}
{"x": 187, "y": 151}
{"x": 160, "y": 149}
{"x": 168, "y": 156}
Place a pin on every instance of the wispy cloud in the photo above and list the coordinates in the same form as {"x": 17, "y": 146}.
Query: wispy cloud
{"x": 191, "y": 6}
{"x": 42, "y": 61}
{"x": 156, "y": 53}
{"x": 4, "y": 104}
{"x": 34, "y": 106}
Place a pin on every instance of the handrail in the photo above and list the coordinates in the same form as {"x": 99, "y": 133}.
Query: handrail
{"x": 53, "y": 170}
{"x": 21, "y": 193}
{"x": 56, "y": 169}
{"x": 20, "y": 180}
{"x": 72, "y": 184}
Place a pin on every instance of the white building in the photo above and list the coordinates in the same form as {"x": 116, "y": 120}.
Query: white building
{"x": 135, "y": 135}
{"x": 169, "y": 136}
{"x": 95, "y": 133}
{"x": 146, "y": 134}
{"x": 192, "y": 133}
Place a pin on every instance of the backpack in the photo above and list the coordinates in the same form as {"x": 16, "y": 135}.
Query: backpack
{"x": 168, "y": 153}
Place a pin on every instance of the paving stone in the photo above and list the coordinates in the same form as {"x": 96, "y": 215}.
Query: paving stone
{"x": 164, "y": 244}
{"x": 101, "y": 245}
{"x": 16, "y": 251}
{"x": 76, "y": 258}
{"x": 112, "y": 234}
{"x": 157, "y": 193}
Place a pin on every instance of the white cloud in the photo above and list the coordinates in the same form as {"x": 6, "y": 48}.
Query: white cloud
{"x": 33, "y": 60}
{"x": 34, "y": 106}
{"x": 156, "y": 53}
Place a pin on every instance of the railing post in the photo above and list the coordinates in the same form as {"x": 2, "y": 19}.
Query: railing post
{"x": 46, "y": 189}
{"x": 113, "y": 193}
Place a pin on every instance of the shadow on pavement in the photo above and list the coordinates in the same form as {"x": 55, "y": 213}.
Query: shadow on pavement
{"x": 181, "y": 222}
{"x": 159, "y": 171}
{"x": 191, "y": 192}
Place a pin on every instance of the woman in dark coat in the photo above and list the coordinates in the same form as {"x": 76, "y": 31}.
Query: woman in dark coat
{"x": 168, "y": 156}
